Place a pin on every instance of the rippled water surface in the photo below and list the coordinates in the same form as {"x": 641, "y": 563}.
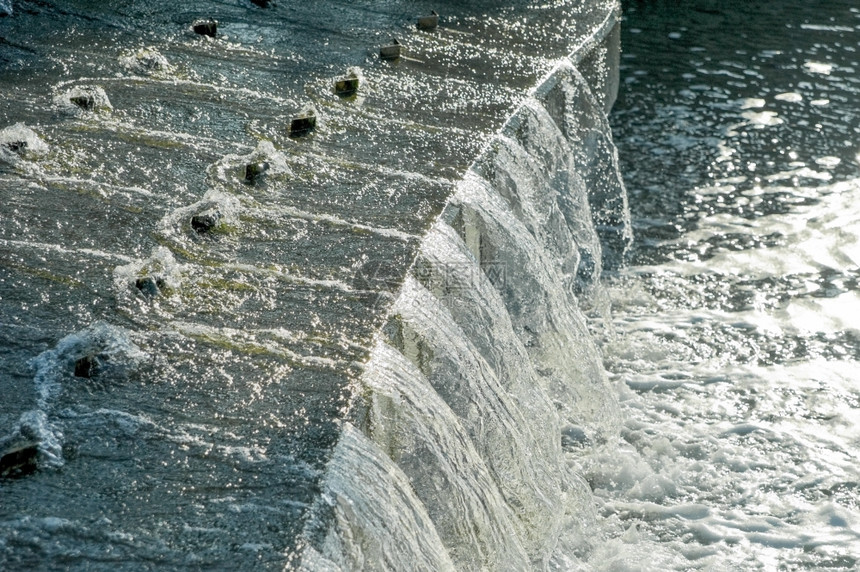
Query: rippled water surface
{"x": 219, "y": 363}
{"x": 736, "y": 326}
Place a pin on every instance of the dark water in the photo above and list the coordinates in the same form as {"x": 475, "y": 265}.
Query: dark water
{"x": 737, "y": 339}
{"x": 689, "y": 112}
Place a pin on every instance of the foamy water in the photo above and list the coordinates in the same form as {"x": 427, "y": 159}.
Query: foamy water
{"x": 735, "y": 333}
{"x": 741, "y": 428}
{"x": 255, "y": 405}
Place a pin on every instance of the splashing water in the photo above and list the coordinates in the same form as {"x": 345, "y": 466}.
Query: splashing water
{"x": 736, "y": 344}
{"x": 363, "y": 288}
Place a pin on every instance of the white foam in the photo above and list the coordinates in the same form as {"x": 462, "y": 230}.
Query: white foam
{"x": 745, "y": 485}
{"x": 828, "y": 161}
{"x": 99, "y": 339}
{"x": 161, "y": 265}
{"x": 20, "y": 140}
{"x": 96, "y": 94}
{"x": 727, "y": 466}
{"x": 146, "y": 61}
{"x": 752, "y": 103}
{"x": 54, "y": 366}
{"x": 231, "y": 167}
{"x": 226, "y": 205}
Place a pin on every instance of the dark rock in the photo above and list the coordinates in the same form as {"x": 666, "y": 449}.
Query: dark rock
{"x": 19, "y": 147}
{"x": 204, "y": 222}
{"x": 261, "y": 3}
{"x": 149, "y": 285}
{"x": 87, "y": 98}
{"x": 19, "y": 461}
{"x": 85, "y": 102}
{"x": 302, "y": 125}
{"x": 205, "y": 27}
{"x": 430, "y": 22}
{"x": 391, "y": 51}
{"x": 87, "y": 366}
{"x": 256, "y": 171}
{"x": 346, "y": 86}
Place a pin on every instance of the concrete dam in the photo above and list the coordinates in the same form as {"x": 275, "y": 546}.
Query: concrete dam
{"x": 304, "y": 285}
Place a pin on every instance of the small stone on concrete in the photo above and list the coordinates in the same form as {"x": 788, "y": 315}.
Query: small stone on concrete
{"x": 87, "y": 366}
{"x": 205, "y": 27}
{"x": 346, "y": 86}
{"x": 256, "y": 171}
{"x": 391, "y": 51}
{"x": 204, "y": 222}
{"x": 428, "y": 23}
{"x": 16, "y": 146}
{"x": 302, "y": 125}
{"x": 19, "y": 461}
{"x": 85, "y": 102}
{"x": 149, "y": 285}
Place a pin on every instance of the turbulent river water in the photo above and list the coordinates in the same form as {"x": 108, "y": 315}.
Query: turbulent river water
{"x": 385, "y": 344}
{"x": 734, "y": 336}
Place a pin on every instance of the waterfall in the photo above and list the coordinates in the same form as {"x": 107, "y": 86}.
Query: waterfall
{"x": 363, "y": 344}
{"x": 485, "y": 385}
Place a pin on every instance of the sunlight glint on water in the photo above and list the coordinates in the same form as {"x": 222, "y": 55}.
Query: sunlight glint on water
{"x": 736, "y": 328}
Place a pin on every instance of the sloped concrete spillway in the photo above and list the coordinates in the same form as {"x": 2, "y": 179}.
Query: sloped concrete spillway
{"x": 360, "y": 346}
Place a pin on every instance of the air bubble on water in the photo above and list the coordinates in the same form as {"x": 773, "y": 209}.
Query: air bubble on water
{"x": 762, "y": 118}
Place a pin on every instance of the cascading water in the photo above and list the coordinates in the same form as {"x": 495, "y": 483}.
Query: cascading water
{"x": 486, "y": 384}
{"x": 383, "y": 344}
{"x": 253, "y": 346}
